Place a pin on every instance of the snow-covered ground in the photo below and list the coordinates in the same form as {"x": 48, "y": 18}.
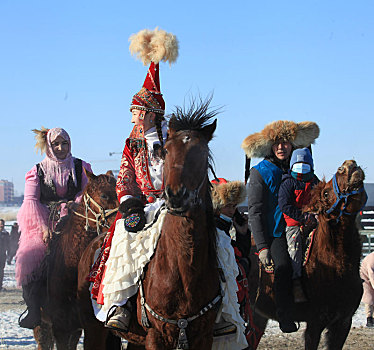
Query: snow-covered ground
{"x": 13, "y": 337}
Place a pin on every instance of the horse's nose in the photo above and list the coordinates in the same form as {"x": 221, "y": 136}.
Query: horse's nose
{"x": 176, "y": 198}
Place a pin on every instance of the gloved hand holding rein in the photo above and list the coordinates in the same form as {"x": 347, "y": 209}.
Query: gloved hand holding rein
{"x": 132, "y": 211}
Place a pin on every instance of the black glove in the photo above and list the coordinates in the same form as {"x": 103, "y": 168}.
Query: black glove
{"x": 132, "y": 211}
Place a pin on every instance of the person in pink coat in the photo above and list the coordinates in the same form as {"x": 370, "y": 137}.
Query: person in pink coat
{"x": 59, "y": 176}
{"x": 367, "y": 275}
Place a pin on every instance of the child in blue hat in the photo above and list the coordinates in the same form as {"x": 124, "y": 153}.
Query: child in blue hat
{"x": 294, "y": 193}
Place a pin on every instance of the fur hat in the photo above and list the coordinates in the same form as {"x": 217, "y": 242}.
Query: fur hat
{"x": 227, "y": 192}
{"x": 151, "y": 47}
{"x": 258, "y": 145}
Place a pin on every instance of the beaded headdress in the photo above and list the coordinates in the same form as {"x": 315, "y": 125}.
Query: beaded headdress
{"x": 151, "y": 47}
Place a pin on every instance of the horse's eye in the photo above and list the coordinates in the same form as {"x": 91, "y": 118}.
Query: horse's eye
{"x": 186, "y": 138}
{"x": 104, "y": 197}
{"x": 326, "y": 194}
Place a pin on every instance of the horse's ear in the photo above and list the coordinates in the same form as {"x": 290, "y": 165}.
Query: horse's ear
{"x": 209, "y": 130}
{"x": 109, "y": 173}
{"x": 89, "y": 175}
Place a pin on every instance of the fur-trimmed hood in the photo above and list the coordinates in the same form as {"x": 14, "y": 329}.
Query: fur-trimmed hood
{"x": 231, "y": 192}
{"x": 258, "y": 145}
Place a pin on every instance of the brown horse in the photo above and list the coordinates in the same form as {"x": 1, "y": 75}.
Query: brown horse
{"x": 180, "y": 288}
{"x": 59, "y": 311}
{"x": 331, "y": 274}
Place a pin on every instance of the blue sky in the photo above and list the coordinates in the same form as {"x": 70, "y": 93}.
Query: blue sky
{"x": 67, "y": 64}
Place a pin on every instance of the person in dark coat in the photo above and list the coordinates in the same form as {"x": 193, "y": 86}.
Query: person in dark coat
{"x": 294, "y": 193}
{"x": 275, "y": 144}
{"x": 13, "y": 243}
{"x": 4, "y": 246}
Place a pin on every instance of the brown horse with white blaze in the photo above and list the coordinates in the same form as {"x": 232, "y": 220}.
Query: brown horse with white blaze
{"x": 180, "y": 290}
{"x": 331, "y": 274}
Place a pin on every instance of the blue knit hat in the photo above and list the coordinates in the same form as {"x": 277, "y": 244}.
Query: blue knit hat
{"x": 301, "y": 155}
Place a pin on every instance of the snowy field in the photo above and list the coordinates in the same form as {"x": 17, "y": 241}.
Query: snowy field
{"x": 13, "y": 337}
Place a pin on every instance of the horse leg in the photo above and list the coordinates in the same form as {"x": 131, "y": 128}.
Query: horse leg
{"x": 113, "y": 342}
{"x": 95, "y": 337}
{"x": 66, "y": 340}
{"x": 337, "y": 333}
{"x": 312, "y": 335}
{"x": 43, "y": 336}
{"x": 74, "y": 339}
{"x": 154, "y": 341}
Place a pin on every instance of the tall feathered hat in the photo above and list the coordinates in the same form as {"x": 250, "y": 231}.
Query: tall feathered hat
{"x": 259, "y": 144}
{"x": 151, "y": 47}
{"x": 227, "y": 192}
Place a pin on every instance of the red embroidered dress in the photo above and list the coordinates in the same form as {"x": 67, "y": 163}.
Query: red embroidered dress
{"x": 140, "y": 176}
{"x": 135, "y": 178}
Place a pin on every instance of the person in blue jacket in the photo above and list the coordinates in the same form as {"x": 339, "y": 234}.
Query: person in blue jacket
{"x": 275, "y": 144}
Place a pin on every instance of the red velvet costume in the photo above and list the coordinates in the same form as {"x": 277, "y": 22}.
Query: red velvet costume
{"x": 134, "y": 178}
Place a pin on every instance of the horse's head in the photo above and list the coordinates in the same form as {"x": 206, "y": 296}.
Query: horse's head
{"x": 187, "y": 157}
{"x": 100, "y": 196}
{"x": 343, "y": 194}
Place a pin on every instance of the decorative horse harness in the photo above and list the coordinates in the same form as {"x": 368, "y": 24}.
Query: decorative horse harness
{"x": 100, "y": 217}
{"x": 182, "y": 323}
{"x": 344, "y": 196}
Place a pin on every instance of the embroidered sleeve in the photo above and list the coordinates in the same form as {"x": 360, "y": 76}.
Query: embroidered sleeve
{"x": 126, "y": 181}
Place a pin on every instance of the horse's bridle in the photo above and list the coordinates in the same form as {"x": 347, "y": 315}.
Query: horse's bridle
{"x": 193, "y": 198}
{"x": 100, "y": 217}
{"x": 342, "y": 196}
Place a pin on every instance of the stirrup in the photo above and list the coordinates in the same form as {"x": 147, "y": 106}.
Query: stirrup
{"x": 225, "y": 329}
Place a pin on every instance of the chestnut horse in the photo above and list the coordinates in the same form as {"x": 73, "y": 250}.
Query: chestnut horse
{"x": 331, "y": 276}
{"x": 59, "y": 310}
{"x": 180, "y": 289}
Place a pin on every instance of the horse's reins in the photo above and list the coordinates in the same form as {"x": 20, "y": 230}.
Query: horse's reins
{"x": 100, "y": 218}
{"x": 182, "y": 323}
{"x": 344, "y": 196}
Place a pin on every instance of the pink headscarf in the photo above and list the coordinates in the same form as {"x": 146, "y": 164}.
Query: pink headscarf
{"x": 58, "y": 170}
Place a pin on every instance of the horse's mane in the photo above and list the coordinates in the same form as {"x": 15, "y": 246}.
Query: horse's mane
{"x": 195, "y": 118}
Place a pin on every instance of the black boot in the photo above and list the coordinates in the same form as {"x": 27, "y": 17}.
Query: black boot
{"x": 370, "y": 322}
{"x": 120, "y": 319}
{"x": 31, "y": 296}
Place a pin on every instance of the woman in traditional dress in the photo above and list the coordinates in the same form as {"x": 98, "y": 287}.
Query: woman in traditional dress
{"x": 58, "y": 177}
{"x": 140, "y": 180}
